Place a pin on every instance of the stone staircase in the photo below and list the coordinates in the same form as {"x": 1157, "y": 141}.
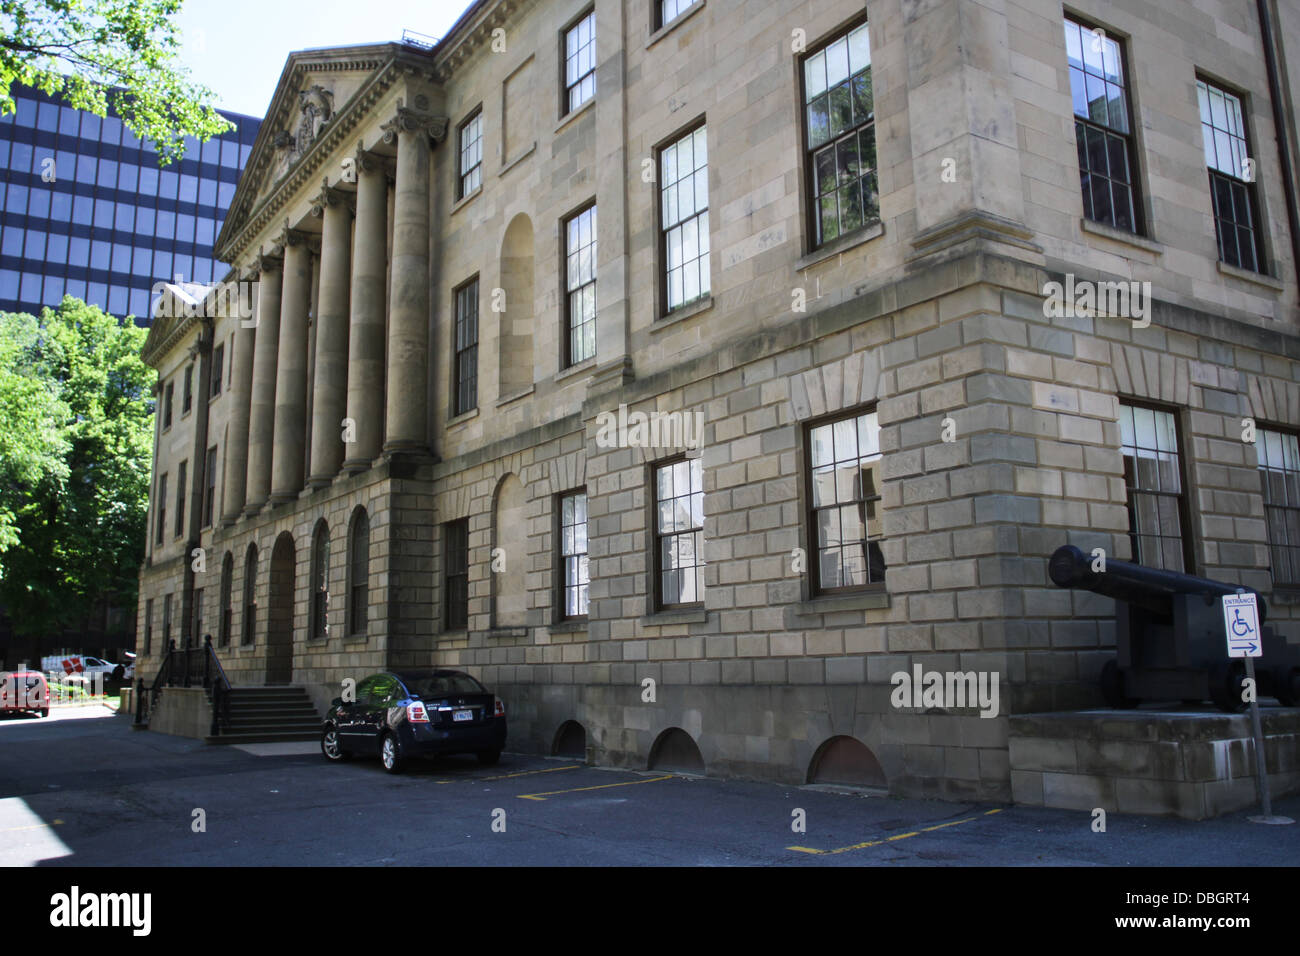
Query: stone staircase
{"x": 269, "y": 714}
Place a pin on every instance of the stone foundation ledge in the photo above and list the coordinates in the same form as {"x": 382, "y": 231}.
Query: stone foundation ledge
{"x": 1193, "y": 765}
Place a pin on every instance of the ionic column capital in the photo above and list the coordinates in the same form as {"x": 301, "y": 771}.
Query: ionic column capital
{"x": 408, "y": 120}
{"x": 331, "y": 196}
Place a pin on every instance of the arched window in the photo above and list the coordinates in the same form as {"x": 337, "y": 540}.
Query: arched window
{"x": 358, "y": 573}
{"x": 227, "y": 580}
{"x": 318, "y": 623}
{"x": 250, "y": 593}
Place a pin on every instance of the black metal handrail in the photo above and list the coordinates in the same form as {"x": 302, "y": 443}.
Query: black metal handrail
{"x": 187, "y": 667}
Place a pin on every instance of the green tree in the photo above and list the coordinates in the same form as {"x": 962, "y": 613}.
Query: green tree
{"x": 99, "y": 52}
{"x": 80, "y": 528}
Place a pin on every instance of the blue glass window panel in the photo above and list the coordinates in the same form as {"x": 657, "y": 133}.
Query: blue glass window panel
{"x": 34, "y": 247}
{"x": 38, "y": 204}
{"x": 117, "y": 301}
{"x": 26, "y": 112}
{"x": 16, "y": 199}
{"x": 104, "y": 214}
{"x": 207, "y": 192}
{"x": 61, "y": 207}
{"x": 148, "y": 180}
{"x": 126, "y": 176}
{"x": 189, "y": 189}
{"x": 184, "y": 227}
{"x": 107, "y": 173}
{"x": 230, "y": 153}
{"x": 31, "y": 291}
{"x": 53, "y": 293}
{"x": 142, "y": 261}
{"x": 83, "y": 208}
{"x": 225, "y": 194}
{"x": 91, "y": 126}
{"x": 166, "y": 227}
{"x": 97, "y": 294}
{"x": 169, "y": 183}
{"x": 86, "y": 170}
{"x": 162, "y": 265}
{"x": 9, "y": 284}
{"x": 79, "y": 251}
{"x": 56, "y": 249}
{"x": 76, "y": 288}
{"x": 47, "y": 117}
{"x": 100, "y": 254}
{"x": 139, "y": 302}
{"x": 203, "y": 232}
{"x": 69, "y": 121}
{"x": 211, "y": 151}
{"x": 125, "y": 218}
{"x": 144, "y": 221}
{"x": 11, "y": 243}
{"x": 22, "y": 157}
{"x": 121, "y": 257}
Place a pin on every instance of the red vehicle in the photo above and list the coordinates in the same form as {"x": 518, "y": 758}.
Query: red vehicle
{"x": 25, "y": 691}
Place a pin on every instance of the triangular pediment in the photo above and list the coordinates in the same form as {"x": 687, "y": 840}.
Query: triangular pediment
{"x": 318, "y": 91}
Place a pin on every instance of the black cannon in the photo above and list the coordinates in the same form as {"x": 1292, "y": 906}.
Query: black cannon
{"x": 1170, "y": 636}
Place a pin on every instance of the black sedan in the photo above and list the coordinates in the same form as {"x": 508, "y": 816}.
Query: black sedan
{"x": 400, "y": 715}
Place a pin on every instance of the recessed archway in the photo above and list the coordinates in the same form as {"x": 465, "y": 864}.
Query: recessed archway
{"x": 279, "y": 625}
{"x": 515, "y": 319}
{"x": 675, "y": 749}
{"x": 846, "y": 761}
{"x": 570, "y": 741}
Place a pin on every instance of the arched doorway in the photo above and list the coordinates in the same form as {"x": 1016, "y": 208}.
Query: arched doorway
{"x": 279, "y": 625}
{"x": 846, "y": 761}
{"x": 675, "y": 749}
{"x": 570, "y": 741}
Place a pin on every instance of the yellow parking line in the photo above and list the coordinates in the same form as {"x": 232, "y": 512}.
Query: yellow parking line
{"x": 34, "y": 826}
{"x": 525, "y": 773}
{"x": 507, "y": 776}
{"x": 603, "y": 786}
{"x": 896, "y": 836}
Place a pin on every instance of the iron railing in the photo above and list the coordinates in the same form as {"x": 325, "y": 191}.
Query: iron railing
{"x": 188, "y": 667}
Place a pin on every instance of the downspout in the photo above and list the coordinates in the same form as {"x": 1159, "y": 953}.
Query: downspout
{"x": 1282, "y": 128}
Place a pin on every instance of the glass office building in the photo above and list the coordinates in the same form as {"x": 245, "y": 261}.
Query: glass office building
{"x": 85, "y": 209}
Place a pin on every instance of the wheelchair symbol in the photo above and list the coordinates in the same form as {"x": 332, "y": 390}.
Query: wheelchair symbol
{"x": 1239, "y": 627}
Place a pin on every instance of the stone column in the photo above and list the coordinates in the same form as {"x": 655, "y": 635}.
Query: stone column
{"x": 242, "y": 351}
{"x": 330, "y": 388}
{"x": 406, "y": 424}
{"x": 366, "y": 338}
{"x": 261, "y": 412}
{"x": 291, "y": 372}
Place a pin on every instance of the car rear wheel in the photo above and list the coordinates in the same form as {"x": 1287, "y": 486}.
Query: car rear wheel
{"x": 329, "y": 746}
{"x": 488, "y": 757}
{"x": 390, "y": 755}
{"x": 45, "y": 711}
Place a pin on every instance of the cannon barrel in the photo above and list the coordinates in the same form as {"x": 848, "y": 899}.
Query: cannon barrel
{"x": 1150, "y": 588}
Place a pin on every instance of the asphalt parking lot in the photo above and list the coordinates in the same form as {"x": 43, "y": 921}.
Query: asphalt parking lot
{"x": 81, "y": 788}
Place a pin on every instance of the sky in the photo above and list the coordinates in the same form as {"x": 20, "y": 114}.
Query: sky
{"x": 238, "y": 47}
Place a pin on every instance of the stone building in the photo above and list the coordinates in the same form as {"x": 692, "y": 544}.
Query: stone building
{"x": 499, "y": 279}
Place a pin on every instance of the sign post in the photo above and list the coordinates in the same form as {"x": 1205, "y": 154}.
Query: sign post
{"x": 1241, "y": 626}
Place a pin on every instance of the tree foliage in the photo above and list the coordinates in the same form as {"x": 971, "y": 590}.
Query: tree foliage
{"x": 78, "y": 487}
{"x": 94, "y": 53}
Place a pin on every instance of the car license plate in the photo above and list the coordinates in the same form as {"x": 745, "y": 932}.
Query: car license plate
{"x": 460, "y": 715}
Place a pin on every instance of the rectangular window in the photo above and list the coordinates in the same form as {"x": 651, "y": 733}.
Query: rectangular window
{"x": 844, "y": 498}
{"x": 580, "y": 285}
{"x": 580, "y": 62}
{"x": 1103, "y": 130}
{"x": 1279, "y": 474}
{"x": 684, "y": 215}
{"x": 471, "y": 156}
{"x": 1232, "y": 176}
{"x": 840, "y": 121}
{"x": 160, "y": 522}
{"x": 218, "y": 360}
{"x": 456, "y": 574}
{"x": 575, "y": 584}
{"x": 210, "y": 486}
{"x": 167, "y": 622}
{"x": 187, "y": 394}
{"x": 465, "y": 397}
{"x": 679, "y": 533}
{"x": 180, "y": 498}
{"x": 666, "y": 11}
{"x": 168, "y": 395}
{"x": 196, "y": 621}
{"x": 1153, "y": 477}
{"x": 148, "y": 626}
